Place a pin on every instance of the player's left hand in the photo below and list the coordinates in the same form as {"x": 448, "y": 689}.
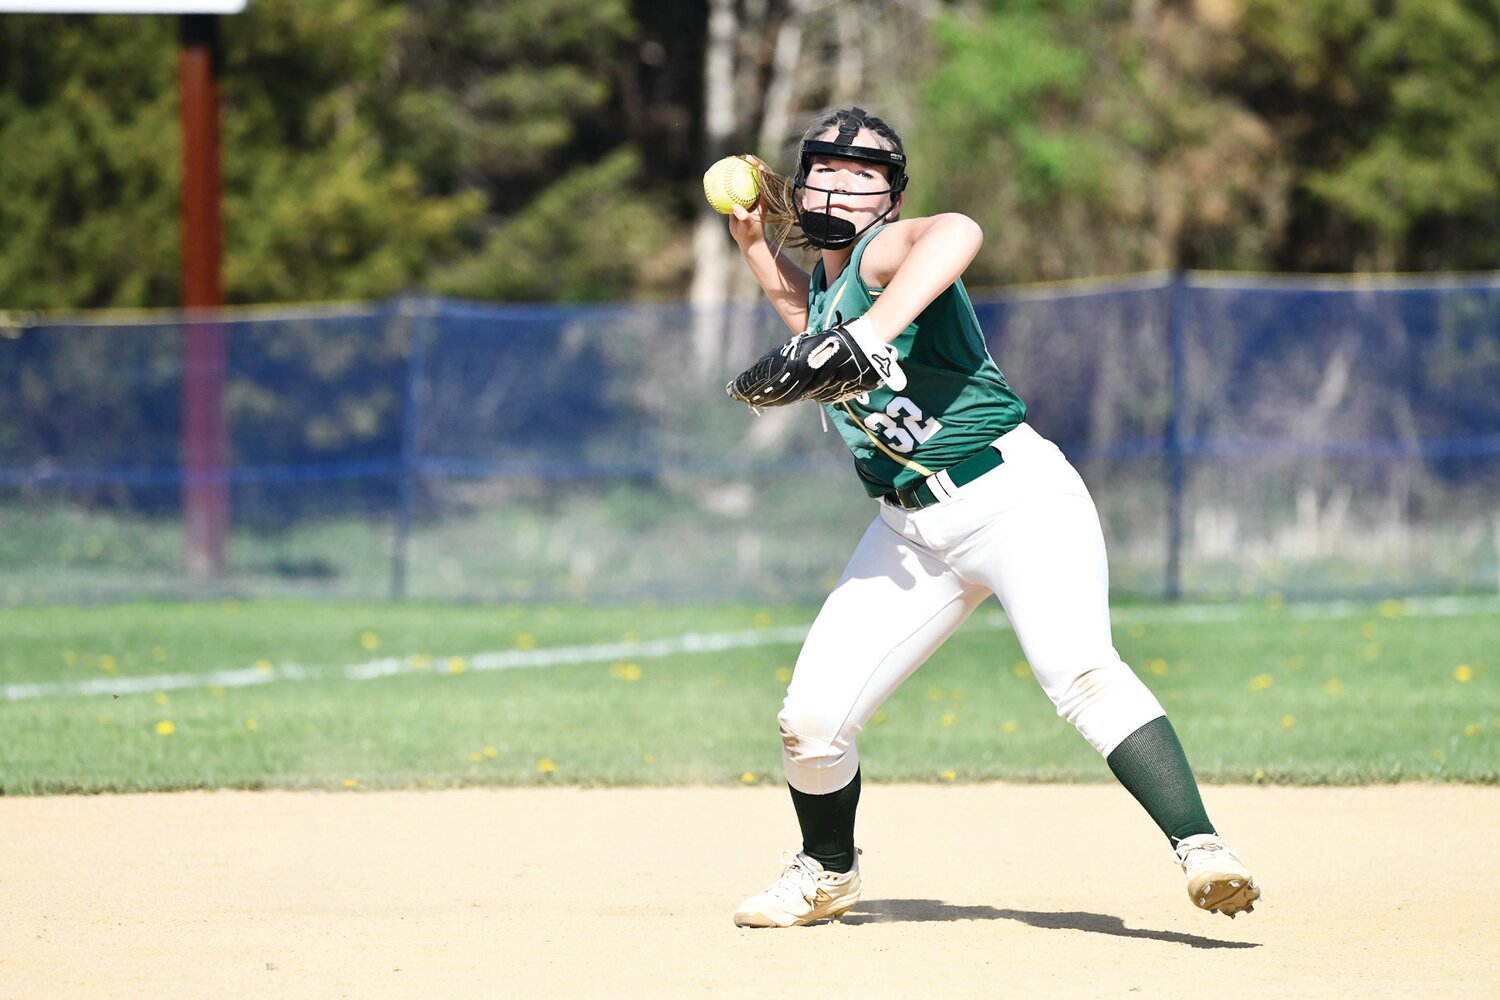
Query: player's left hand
{"x": 830, "y": 366}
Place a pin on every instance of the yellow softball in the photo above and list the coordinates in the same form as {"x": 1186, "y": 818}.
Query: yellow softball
{"x": 731, "y": 181}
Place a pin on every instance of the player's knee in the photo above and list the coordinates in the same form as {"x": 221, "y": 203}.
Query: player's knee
{"x": 1107, "y": 703}
{"x": 810, "y": 736}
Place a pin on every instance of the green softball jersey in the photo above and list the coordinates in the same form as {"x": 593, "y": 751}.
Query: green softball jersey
{"x": 955, "y": 402}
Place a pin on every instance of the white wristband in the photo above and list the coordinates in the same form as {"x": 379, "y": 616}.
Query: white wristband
{"x": 881, "y": 354}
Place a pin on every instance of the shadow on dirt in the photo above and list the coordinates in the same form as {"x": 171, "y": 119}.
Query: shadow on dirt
{"x": 924, "y": 910}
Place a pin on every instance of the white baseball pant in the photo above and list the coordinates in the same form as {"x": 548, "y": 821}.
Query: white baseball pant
{"x": 1027, "y": 532}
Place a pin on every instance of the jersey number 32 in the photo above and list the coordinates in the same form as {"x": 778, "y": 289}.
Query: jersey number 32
{"x": 902, "y": 426}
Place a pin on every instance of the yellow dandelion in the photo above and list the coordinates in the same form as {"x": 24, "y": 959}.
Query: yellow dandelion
{"x": 625, "y": 672}
{"x": 1261, "y": 681}
{"x": 1333, "y": 686}
{"x": 1259, "y": 775}
{"x": 948, "y": 775}
{"x": 934, "y": 694}
{"x": 456, "y": 665}
{"x": 1021, "y": 669}
{"x": 1463, "y": 673}
{"x": 880, "y": 718}
{"x": 490, "y": 752}
{"x": 351, "y": 782}
{"x": 1392, "y": 609}
{"x": 748, "y": 778}
{"x": 1157, "y": 667}
{"x": 369, "y": 641}
{"x": 1008, "y": 726}
{"x": 784, "y": 675}
{"x": 1371, "y": 651}
{"x": 476, "y": 756}
{"x": 1368, "y": 630}
{"x": 949, "y": 720}
{"x": 762, "y": 619}
{"x": 264, "y": 666}
{"x": 1471, "y": 730}
{"x": 1438, "y": 756}
{"x": 1137, "y": 631}
{"x": 158, "y": 654}
{"x": 1275, "y": 600}
{"x": 420, "y": 661}
{"x": 631, "y": 636}
{"x": 231, "y": 607}
{"x": 648, "y": 758}
{"x": 250, "y": 724}
{"x": 160, "y": 697}
{"x": 526, "y": 641}
{"x": 546, "y": 765}
{"x": 108, "y": 663}
{"x": 1288, "y": 721}
{"x": 165, "y": 728}
{"x": 70, "y": 657}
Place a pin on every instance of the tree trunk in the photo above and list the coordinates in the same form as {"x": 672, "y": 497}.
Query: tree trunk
{"x": 776, "y": 124}
{"x": 713, "y": 251}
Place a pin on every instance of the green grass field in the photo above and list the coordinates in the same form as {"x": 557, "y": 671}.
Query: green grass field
{"x": 277, "y": 694}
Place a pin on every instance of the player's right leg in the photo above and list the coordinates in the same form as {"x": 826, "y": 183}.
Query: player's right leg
{"x": 895, "y": 604}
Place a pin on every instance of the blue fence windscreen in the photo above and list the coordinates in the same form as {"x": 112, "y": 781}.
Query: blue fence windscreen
{"x": 1240, "y": 436}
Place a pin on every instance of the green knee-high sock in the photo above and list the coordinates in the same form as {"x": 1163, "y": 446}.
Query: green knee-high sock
{"x": 827, "y": 823}
{"x": 1151, "y": 765}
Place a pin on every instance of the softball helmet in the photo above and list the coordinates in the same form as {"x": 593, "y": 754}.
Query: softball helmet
{"x": 822, "y": 228}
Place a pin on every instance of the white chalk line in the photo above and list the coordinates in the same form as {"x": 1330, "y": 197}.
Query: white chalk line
{"x": 390, "y": 666}
{"x": 692, "y": 642}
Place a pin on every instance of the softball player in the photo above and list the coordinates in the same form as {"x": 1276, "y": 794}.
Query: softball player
{"x": 972, "y": 501}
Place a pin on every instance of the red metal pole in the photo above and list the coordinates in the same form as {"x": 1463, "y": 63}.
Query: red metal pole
{"x": 205, "y": 450}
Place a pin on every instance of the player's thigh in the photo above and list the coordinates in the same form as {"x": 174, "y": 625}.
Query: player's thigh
{"x": 895, "y": 604}
{"x": 1043, "y": 555}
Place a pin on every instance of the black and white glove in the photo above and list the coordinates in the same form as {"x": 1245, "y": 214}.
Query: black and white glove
{"x": 829, "y": 366}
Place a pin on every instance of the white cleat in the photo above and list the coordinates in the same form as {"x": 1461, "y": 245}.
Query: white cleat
{"x": 1218, "y": 881}
{"x": 803, "y": 894}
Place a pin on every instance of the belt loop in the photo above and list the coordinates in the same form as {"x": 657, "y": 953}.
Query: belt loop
{"x": 941, "y": 485}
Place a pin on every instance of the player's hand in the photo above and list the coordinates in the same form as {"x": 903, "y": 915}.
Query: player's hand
{"x": 746, "y": 227}
{"x": 745, "y": 224}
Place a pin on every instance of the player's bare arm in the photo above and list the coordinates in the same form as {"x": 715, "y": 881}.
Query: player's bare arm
{"x": 914, "y": 260}
{"x": 783, "y": 281}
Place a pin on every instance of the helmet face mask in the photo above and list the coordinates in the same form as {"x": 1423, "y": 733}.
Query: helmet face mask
{"x": 822, "y": 228}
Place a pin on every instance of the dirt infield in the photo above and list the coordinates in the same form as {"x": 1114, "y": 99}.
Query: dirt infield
{"x": 970, "y": 891}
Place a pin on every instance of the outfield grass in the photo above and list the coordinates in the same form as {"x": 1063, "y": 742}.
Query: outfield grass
{"x": 1296, "y": 694}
